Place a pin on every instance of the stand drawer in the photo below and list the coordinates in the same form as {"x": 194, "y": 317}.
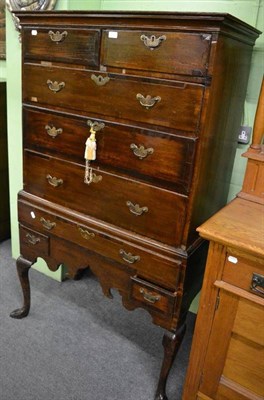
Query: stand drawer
{"x": 153, "y": 296}
{"x": 32, "y": 242}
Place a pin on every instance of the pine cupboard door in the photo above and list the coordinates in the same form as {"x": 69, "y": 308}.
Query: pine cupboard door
{"x": 234, "y": 363}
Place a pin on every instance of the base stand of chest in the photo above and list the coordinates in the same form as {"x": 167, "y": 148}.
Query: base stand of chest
{"x": 23, "y": 267}
{"x": 171, "y": 341}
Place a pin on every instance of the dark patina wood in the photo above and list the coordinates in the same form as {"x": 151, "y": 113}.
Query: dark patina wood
{"x": 140, "y": 151}
{"x": 192, "y": 51}
{"x": 70, "y": 46}
{"x": 108, "y": 198}
{"x": 171, "y": 343}
{"x": 23, "y": 266}
{"x": 179, "y": 106}
{"x": 165, "y": 93}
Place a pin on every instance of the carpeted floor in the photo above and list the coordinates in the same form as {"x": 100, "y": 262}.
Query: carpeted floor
{"x": 78, "y": 345}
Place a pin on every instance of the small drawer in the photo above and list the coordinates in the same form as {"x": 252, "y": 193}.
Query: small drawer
{"x": 169, "y": 104}
{"x": 32, "y": 242}
{"x": 158, "y": 51}
{"x": 153, "y": 296}
{"x": 150, "y": 211}
{"x": 134, "y": 151}
{"x": 146, "y": 264}
{"x": 62, "y": 44}
{"x": 240, "y": 270}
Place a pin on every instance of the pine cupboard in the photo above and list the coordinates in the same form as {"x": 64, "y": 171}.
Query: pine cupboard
{"x": 227, "y": 357}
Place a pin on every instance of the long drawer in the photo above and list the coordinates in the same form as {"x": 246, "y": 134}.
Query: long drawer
{"x": 126, "y": 148}
{"x": 144, "y": 209}
{"x": 147, "y": 264}
{"x": 161, "y": 51}
{"x": 175, "y": 105}
{"x": 80, "y": 46}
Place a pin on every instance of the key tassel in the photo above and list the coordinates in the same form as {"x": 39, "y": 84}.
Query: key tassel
{"x": 89, "y": 155}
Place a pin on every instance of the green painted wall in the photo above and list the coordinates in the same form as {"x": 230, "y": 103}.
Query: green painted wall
{"x": 251, "y": 11}
{"x": 2, "y": 69}
{"x": 84, "y": 4}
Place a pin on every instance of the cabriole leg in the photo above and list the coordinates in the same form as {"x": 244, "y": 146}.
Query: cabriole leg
{"x": 23, "y": 267}
{"x": 171, "y": 343}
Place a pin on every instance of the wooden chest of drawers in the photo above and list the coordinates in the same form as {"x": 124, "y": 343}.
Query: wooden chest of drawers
{"x": 164, "y": 93}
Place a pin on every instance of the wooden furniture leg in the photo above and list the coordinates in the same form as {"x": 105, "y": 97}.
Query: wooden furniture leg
{"x": 171, "y": 343}
{"x": 23, "y": 267}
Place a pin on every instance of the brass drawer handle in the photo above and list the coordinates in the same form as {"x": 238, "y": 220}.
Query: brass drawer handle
{"x": 55, "y": 86}
{"x": 32, "y": 239}
{"x": 53, "y": 181}
{"x": 152, "y": 42}
{"x": 52, "y": 131}
{"x": 148, "y": 101}
{"x": 57, "y": 36}
{"x": 96, "y": 178}
{"x": 91, "y": 177}
{"x": 96, "y": 126}
{"x": 149, "y": 296}
{"x": 100, "y": 80}
{"x": 86, "y": 234}
{"x": 128, "y": 257}
{"x": 257, "y": 284}
{"x": 136, "y": 209}
{"x": 47, "y": 224}
{"x": 140, "y": 151}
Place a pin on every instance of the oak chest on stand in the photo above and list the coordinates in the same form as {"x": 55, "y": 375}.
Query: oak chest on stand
{"x": 160, "y": 96}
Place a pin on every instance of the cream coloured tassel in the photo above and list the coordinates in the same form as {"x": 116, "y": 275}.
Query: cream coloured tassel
{"x": 89, "y": 155}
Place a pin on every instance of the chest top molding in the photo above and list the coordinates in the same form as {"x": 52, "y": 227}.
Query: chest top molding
{"x": 190, "y": 21}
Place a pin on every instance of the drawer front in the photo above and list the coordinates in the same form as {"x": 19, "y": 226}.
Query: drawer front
{"x": 147, "y": 210}
{"x": 158, "y": 51}
{"x": 149, "y": 266}
{"x": 62, "y": 44}
{"x": 134, "y": 151}
{"x": 240, "y": 269}
{"x": 153, "y": 296}
{"x": 174, "y": 105}
{"x": 32, "y": 242}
